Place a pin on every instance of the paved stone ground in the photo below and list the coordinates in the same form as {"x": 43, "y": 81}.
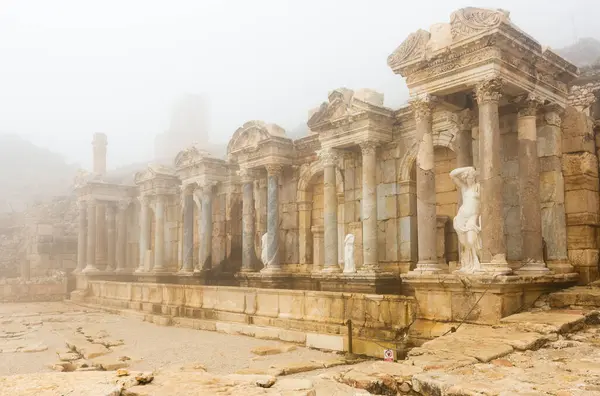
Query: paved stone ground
{"x": 543, "y": 352}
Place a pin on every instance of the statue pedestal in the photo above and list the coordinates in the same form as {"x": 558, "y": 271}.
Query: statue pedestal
{"x": 478, "y": 298}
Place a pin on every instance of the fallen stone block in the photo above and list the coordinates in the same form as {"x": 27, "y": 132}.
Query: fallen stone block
{"x": 109, "y": 363}
{"x": 272, "y": 350}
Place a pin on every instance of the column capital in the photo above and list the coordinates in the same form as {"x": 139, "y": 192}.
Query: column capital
{"x": 423, "y": 106}
{"x": 123, "y": 204}
{"x": 368, "y": 147}
{"x": 274, "y": 169}
{"x": 92, "y": 202}
{"x": 553, "y": 115}
{"x": 247, "y": 175}
{"x": 110, "y": 208}
{"x": 144, "y": 199}
{"x": 463, "y": 120}
{"x": 489, "y": 90}
{"x": 81, "y": 204}
{"x": 328, "y": 156}
{"x": 528, "y": 104}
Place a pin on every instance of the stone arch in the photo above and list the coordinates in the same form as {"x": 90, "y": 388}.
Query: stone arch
{"x": 308, "y": 174}
{"x": 443, "y": 139}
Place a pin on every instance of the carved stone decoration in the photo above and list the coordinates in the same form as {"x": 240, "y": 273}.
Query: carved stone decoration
{"x": 467, "y": 222}
{"x": 264, "y": 256}
{"x": 423, "y": 107}
{"x": 471, "y": 20}
{"x": 349, "y": 266}
{"x": 489, "y": 90}
{"x": 328, "y": 156}
{"x": 528, "y": 104}
{"x": 411, "y": 49}
{"x": 553, "y": 116}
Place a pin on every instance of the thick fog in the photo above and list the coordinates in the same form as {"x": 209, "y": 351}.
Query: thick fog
{"x": 69, "y": 68}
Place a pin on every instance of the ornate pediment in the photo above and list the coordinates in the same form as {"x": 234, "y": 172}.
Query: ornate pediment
{"x": 470, "y": 21}
{"x": 152, "y": 172}
{"x": 411, "y": 49}
{"x": 248, "y": 137}
{"x": 190, "y": 156}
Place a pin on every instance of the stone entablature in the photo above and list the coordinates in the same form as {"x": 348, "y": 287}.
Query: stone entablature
{"x": 479, "y": 44}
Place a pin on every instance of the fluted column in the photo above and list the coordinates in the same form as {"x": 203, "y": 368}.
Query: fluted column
{"x": 248, "y": 253}
{"x": 426, "y": 199}
{"x": 91, "y": 237}
{"x": 188, "y": 231}
{"x": 529, "y": 187}
{"x": 111, "y": 240}
{"x": 122, "y": 236}
{"x": 330, "y": 208}
{"x": 144, "y": 232}
{"x": 493, "y": 254}
{"x": 81, "y": 236}
{"x": 205, "y": 227}
{"x": 369, "y": 207}
{"x": 159, "y": 234}
{"x": 273, "y": 174}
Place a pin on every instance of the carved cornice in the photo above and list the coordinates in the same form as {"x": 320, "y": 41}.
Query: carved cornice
{"x": 489, "y": 90}
{"x": 411, "y": 49}
{"x": 470, "y": 21}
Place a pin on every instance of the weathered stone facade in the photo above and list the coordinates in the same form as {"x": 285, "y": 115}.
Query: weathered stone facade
{"x": 275, "y": 213}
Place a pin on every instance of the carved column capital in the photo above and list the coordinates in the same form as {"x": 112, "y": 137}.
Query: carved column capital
{"x": 205, "y": 188}
{"x": 82, "y": 204}
{"x": 528, "y": 105}
{"x": 247, "y": 175}
{"x": 328, "y": 156}
{"x": 553, "y": 115}
{"x": 274, "y": 169}
{"x": 368, "y": 147}
{"x": 423, "y": 107}
{"x": 92, "y": 202}
{"x": 489, "y": 90}
{"x": 123, "y": 204}
{"x": 463, "y": 120}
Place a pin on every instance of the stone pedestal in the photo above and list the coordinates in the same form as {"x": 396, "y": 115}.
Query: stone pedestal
{"x": 369, "y": 208}
{"x": 144, "y": 233}
{"x": 91, "y": 238}
{"x": 529, "y": 189}
{"x": 81, "y": 236}
{"x": 426, "y": 199}
{"x": 493, "y": 254}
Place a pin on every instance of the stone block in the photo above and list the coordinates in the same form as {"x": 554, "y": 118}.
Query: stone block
{"x": 292, "y": 336}
{"x": 434, "y": 305}
{"x": 581, "y": 182}
{"x": 386, "y": 207}
{"x": 446, "y": 198}
{"x": 443, "y": 183}
{"x": 267, "y": 333}
{"x": 548, "y": 164}
{"x": 581, "y": 237}
{"x": 289, "y": 220}
{"x": 349, "y": 179}
{"x": 580, "y": 163}
{"x": 583, "y": 257}
{"x": 267, "y": 303}
{"x": 581, "y": 201}
{"x": 407, "y": 204}
{"x": 388, "y": 170}
{"x": 231, "y": 300}
{"x": 291, "y": 304}
{"x": 325, "y": 341}
{"x": 549, "y": 141}
{"x": 587, "y": 274}
{"x": 391, "y": 240}
{"x": 350, "y": 214}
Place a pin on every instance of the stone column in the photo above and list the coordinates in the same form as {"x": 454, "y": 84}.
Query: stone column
{"x": 529, "y": 188}
{"x": 552, "y": 192}
{"x": 144, "y": 232}
{"x": 159, "y": 234}
{"x": 493, "y": 254}
{"x": 111, "y": 240}
{"x": 248, "y": 253}
{"x": 122, "y": 237}
{"x": 273, "y": 174}
{"x": 101, "y": 234}
{"x": 91, "y": 237}
{"x": 369, "y": 207}
{"x": 305, "y": 237}
{"x": 426, "y": 199}
{"x": 205, "y": 227}
{"x": 188, "y": 231}
{"x": 463, "y": 145}
{"x": 330, "y": 207}
{"x": 81, "y": 236}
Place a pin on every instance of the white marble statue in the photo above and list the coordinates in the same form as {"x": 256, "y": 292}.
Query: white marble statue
{"x": 264, "y": 257}
{"x": 467, "y": 222}
{"x": 349, "y": 266}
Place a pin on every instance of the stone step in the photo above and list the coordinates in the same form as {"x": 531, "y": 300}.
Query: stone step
{"x": 559, "y": 321}
{"x": 578, "y": 296}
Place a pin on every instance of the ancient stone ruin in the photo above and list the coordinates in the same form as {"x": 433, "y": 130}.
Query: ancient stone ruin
{"x": 497, "y": 125}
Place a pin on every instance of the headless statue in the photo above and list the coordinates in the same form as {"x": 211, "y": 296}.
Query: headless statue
{"x": 349, "y": 266}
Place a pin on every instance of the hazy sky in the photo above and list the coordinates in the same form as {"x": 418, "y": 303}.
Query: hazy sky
{"x": 69, "y": 68}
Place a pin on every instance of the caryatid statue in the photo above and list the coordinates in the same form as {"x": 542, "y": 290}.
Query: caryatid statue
{"x": 467, "y": 222}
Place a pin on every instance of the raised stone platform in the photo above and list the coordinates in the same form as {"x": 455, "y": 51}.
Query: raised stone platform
{"x": 482, "y": 299}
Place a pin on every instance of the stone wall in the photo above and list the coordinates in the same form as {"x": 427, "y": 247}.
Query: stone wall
{"x": 48, "y": 288}
{"x": 316, "y": 319}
